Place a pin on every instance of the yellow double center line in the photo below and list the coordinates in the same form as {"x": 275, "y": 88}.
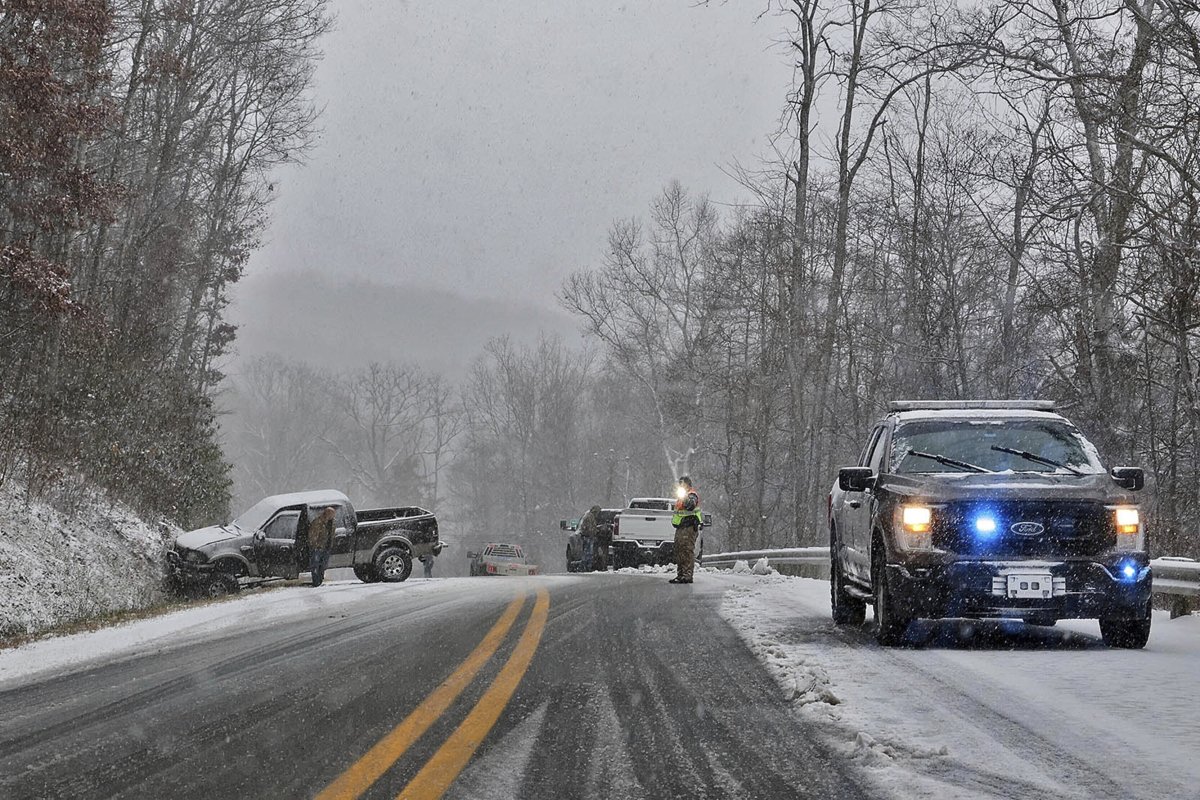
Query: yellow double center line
{"x": 451, "y": 758}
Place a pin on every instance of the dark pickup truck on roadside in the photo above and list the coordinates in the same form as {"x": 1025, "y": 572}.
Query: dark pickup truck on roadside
{"x": 271, "y": 540}
{"x": 995, "y": 509}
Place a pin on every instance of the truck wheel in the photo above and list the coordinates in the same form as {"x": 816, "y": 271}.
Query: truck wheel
{"x": 219, "y": 584}
{"x": 393, "y": 565}
{"x": 847, "y": 610}
{"x": 1126, "y": 633}
{"x": 889, "y": 625}
{"x": 366, "y": 574}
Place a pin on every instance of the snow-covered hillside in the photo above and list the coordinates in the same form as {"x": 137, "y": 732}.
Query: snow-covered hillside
{"x": 57, "y": 567}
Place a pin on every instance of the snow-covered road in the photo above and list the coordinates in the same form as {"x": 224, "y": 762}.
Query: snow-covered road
{"x": 984, "y": 709}
{"x": 638, "y": 689}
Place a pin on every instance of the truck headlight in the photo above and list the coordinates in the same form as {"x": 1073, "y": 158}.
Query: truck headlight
{"x": 916, "y": 519}
{"x": 193, "y": 556}
{"x": 1128, "y": 520}
{"x": 914, "y": 524}
{"x": 1128, "y": 523}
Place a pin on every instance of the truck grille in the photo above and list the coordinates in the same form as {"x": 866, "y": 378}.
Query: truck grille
{"x": 1043, "y": 529}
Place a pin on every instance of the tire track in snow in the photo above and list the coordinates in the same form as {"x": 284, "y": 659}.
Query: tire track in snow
{"x": 1067, "y": 761}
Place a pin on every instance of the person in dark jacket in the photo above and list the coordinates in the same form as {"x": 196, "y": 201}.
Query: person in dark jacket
{"x": 589, "y": 529}
{"x": 320, "y": 539}
{"x": 604, "y": 537}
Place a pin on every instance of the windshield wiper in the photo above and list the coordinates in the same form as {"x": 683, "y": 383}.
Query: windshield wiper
{"x": 1028, "y": 456}
{"x": 947, "y": 460}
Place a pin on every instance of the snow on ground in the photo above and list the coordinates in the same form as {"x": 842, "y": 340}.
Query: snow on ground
{"x": 983, "y": 709}
{"x": 656, "y": 569}
{"x": 647, "y": 569}
{"x": 57, "y": 567}
{"x": 250, "y": 610}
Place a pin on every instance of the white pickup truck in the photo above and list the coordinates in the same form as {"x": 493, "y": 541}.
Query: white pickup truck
{"x": 643, "y": 533}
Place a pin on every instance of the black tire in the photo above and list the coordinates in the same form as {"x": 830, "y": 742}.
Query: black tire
{"x": 890, "y": 626}
{"x": 366, "y": 573}
{"x": 1126, "y": 633}
{"x": 219, "y": 584}
{"x": 393, "y": 565}
{"x": 847, "y": 609}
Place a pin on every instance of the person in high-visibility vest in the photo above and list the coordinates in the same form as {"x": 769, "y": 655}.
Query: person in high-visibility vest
{"x": 686, "y": 520}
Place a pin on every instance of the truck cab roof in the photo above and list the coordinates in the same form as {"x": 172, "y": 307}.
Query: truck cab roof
{"x": 257, "y": 515}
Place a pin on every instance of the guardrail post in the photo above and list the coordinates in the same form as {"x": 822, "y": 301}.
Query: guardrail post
{"x": 1181, "y": 606}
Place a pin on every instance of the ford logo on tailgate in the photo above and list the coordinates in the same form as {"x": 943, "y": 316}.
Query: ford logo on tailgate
{"x": 1027, "y": 528}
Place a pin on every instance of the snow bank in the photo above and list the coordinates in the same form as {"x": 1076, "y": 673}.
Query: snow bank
{"x": 982, "y": 709}
{"x": 58, "y": 567}
{"x": 763, "y": 567}
{"x": 647, "y": 569}
{"x": 658, "y": 569}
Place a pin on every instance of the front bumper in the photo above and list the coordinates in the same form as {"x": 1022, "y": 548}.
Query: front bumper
{"x": 1081, "y": 589}
{"x": 181, "y": 568}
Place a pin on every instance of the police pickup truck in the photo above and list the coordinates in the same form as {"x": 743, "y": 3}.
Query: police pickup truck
{"x": 271, "y": 540}
{"x": 987, "y": 509}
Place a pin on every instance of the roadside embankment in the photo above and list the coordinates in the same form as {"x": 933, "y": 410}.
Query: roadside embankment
{"x": 59, "y": 566}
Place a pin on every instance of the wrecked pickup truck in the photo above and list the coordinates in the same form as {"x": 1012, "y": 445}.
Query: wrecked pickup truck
{"x": 271, "y": 541}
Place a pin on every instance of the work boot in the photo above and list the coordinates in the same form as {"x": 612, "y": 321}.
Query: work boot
{"x": 676, "y": 580}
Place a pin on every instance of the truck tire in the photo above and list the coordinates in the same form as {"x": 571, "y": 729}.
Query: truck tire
{"x": 393, "y": 565}
{"x": 1126, "y": 633}
{"x": 847, "y": 610}
{"x": 890, "y": 625}
{"x": 219, "y": 584}
{"x": 366, "y": 573}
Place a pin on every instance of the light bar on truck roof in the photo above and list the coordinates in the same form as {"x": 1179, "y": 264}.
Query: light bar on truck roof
{"x": 949, "y": 405}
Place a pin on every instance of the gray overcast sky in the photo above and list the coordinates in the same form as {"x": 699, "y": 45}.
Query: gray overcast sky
{"x": 486, "y": 147}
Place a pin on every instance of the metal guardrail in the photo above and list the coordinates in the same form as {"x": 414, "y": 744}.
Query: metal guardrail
{"x": 787, "y": 555}
{"x": 1178, "y": 576}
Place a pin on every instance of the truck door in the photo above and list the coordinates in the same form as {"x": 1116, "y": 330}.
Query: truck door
{"x": 342, "y": 552}
{"x": 859, "y": 508}
{"x": 274, "y": 551}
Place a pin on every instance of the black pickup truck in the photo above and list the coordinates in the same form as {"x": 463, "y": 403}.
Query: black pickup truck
{"x": 987, "y": 509}
{"x": 271, "y": 540}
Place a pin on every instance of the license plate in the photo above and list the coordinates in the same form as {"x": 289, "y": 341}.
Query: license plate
{"x": 1038, "y": 585}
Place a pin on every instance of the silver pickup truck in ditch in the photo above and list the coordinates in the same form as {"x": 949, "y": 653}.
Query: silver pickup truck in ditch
{"x": 271, "y": 540}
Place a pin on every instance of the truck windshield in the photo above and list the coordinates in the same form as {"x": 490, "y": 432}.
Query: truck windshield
{"x": 257, "y": 515}
{"x": 977, "y": 441}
